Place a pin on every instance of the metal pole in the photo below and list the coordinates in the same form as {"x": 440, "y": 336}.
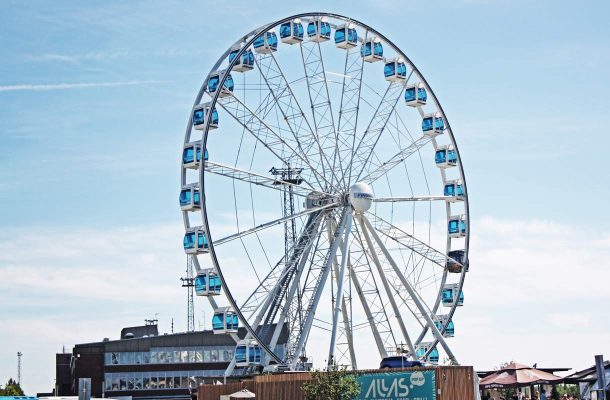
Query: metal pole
{"x": 601, "y": 377}
{"x": 339, "y": 296}
{"x": 318, "y": 290}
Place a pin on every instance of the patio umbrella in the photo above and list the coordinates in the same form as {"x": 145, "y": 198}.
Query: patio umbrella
{"x": 518, "y": 375}
{"x": 242, "y": 394}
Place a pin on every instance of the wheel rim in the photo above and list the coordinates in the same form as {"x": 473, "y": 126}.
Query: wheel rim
{"x": 325, "y": 183}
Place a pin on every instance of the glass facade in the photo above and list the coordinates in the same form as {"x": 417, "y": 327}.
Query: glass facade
{"x": 157, "y": 380}
{"x": 171, "y": 355}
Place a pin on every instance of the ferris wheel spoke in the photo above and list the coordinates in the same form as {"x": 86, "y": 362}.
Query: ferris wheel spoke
{"x": 386, "y": 285}
{"x": 296, "y": 252}
{"x": 291, "y": 308}
{"x": 412, "y": 293}
{"x": 261, "y": 180}
{"x": 384, "y": 167}
{"x": 277, "y": 144}
{"x": 375, "y": 128}
{"x": 350, "y": 106}
{"x": 366, "y": 288}
{"x": 291, "y": 111}
{"x": 339, "y": 303}
{"x": 410, "y": 198}
{"x": 321, "y": 108}
{"x": 403, "y": 238}
{"x": 273, "y": 223}
{"x": 317, "y": 288}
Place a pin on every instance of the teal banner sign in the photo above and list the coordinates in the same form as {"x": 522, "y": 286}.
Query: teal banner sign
{"x": 411, "y": 385}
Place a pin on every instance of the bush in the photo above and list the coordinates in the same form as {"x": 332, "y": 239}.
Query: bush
{"x": 334, "y": 384}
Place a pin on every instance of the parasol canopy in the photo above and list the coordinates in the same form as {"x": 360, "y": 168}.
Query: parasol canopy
{"x": 518, "y": 375}
{"x": 243, "y": 394}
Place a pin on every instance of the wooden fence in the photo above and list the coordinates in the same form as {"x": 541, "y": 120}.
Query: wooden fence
{"x": 452, "y": 383}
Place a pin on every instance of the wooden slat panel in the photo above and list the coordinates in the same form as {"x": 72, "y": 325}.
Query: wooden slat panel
{"x": 452, "y": 383}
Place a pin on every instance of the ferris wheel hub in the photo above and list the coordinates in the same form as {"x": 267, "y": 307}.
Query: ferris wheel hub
{"x": 361, "y": 196}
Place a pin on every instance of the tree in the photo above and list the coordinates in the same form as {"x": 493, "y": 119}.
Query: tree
{"x": 334, "y": 384}
{"x": 11, "y": 388}
{"x": 568, "y": 390}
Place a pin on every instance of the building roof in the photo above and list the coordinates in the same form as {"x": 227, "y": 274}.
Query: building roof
{"x": 185, "y": 339}
{"x": 586, "y": 375}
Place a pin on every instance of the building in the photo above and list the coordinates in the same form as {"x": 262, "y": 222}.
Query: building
{"x": 587, "y": 381}
{"x": 146, "y": 365}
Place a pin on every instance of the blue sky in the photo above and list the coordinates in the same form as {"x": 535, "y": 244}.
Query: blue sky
{"x": 94, "y": 98}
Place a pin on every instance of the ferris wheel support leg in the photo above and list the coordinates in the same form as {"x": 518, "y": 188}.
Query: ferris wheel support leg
{"x": 291, "y": 293}
{"x": 369, "y": 316}
{"x": 289, "y": 298}
{"x": 386, "y": 286}
{"x": 311, "y": 311}
{"x": 437, "y": 335}
{"x": 346, "y": 318}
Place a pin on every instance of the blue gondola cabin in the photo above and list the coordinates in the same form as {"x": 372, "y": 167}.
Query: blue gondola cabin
{"x": 346, "y": 37}
{"x": 247, "y": 352}
{"x": 457, "y": 226}
{"x": 191, "y": 155}
{"x": 266, "y": 43}
{"x": 200, "y": 113}
{"x": 433, "y": 124}
{"x": 449, "y": 330}
{"x": 445, "y": 157}
{"x": 454, "y": 190}
{"x": 395, "y": 70}
{"x": 214, "y": 82}
{"x": 245, "y": 62}
{"x": 416, "y": 95}
{"x": 207, "y": 283}
{"x": 195, "y": 241}
{"x": 422, "y": 349}
{"x": 318, "y": 30}
{"x": 371, "y": 50}
{"x": 292, "y": 32}
{"x": 452, "y": 295}
{"x": 190, "y": 198}
{"x": 225, "y": 321}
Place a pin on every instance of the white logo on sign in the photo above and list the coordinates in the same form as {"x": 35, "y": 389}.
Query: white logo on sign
{"x": 378, "y": 388}
{"x": 418, "y": 379}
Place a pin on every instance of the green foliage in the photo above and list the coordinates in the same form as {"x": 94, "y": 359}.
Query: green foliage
{"x": 11, "y": 388}
{"x": 568, "y": 390}
{"x": 334, "y": 384}
{"x": 554, "y": 393}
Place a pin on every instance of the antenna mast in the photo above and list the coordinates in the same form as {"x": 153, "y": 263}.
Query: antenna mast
{"x": 189, "y": 282}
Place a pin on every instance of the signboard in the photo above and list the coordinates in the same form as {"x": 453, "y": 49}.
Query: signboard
{"x": 406, "y": 385}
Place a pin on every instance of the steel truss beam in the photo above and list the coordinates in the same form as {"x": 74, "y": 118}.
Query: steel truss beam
{"x": 381, "y": 169}
{"x": 283, "y": 147}
{"x": 412, "y": 293}
{"x": 350, "y": 106}
{"x": 319, "y": 282}
{"x": 412, "y": 243}
{"x": 339, "y": 301}
{"x": 321, "y": 108}
{"x": 362, "y": 153}
{"x": 306, "y": 138}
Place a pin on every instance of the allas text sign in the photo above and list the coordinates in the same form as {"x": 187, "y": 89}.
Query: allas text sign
{"x": 411, "y": 385}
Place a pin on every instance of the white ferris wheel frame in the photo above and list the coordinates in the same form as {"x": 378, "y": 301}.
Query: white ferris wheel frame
{"x": 244, "y": 43}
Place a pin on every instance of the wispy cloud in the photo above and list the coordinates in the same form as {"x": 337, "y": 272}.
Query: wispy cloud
{"x": 67, "y": 86}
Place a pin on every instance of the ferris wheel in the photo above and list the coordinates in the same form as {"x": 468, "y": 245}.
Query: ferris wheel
{"x": 324, "y": 198}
